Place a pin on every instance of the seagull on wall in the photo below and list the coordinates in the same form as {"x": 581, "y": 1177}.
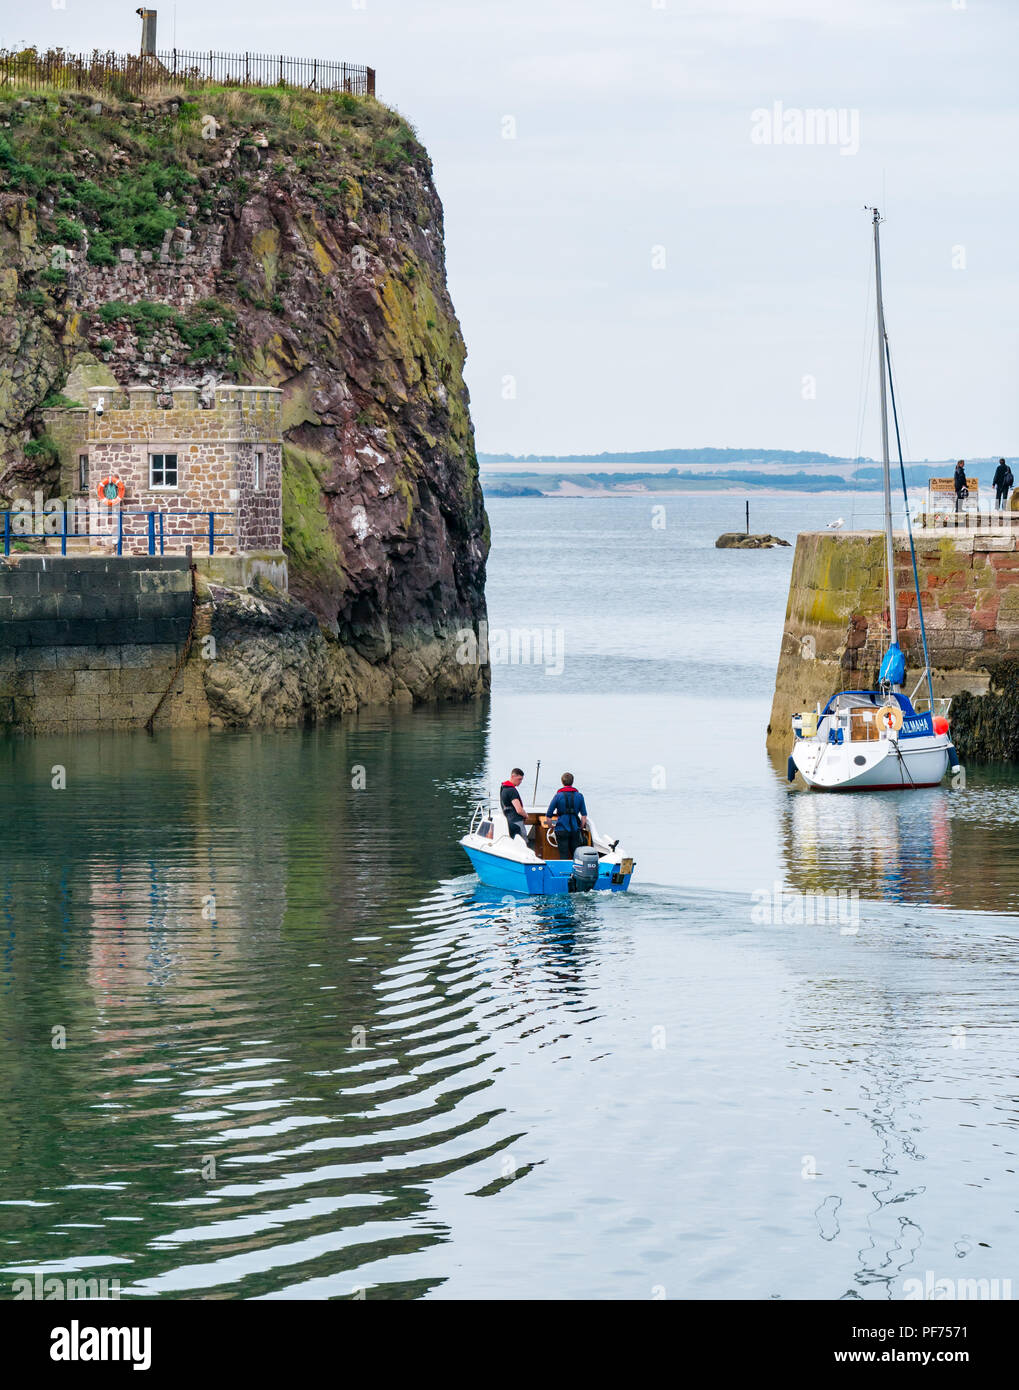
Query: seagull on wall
{"x": 834, "y": 525}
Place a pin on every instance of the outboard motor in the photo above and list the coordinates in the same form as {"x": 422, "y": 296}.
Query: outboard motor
{"x": 585, "y": 870}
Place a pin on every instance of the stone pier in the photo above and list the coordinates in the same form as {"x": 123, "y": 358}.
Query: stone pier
{"x": 89, "y": 642}
{"x": 836, "y": 624}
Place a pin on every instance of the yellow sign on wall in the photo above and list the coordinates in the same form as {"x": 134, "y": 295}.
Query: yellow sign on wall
{"x": 940, "y": 485}
{"x": 941, "y": 494}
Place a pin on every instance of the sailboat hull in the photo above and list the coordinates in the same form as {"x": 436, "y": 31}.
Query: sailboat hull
{"x": 886, "y": 766}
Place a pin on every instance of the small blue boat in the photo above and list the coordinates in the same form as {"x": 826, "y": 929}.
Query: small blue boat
{"x": 534, "y": 867}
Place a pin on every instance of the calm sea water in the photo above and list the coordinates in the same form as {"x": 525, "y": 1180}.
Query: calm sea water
{"x": 304, "y": 1054}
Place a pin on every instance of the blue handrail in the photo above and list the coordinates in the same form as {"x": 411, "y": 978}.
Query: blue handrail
{"x": 208, "y": 532}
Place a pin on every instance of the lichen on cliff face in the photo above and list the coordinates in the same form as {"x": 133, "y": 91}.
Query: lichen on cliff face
{"x": 260, "y": 235}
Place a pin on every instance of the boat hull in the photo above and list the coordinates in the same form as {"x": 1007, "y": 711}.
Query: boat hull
{"x": 547, "y": 877}
{"x": 908, "y": 766}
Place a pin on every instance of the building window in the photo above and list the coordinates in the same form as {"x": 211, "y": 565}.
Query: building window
{"x": 258, "y": 474}
{"x": 83, "y": 472}
{"x": 162, "y": 470}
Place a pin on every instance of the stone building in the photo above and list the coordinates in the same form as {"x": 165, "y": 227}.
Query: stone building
{"x": 181, "y": 458}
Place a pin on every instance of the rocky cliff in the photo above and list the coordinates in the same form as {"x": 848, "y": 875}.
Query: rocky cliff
{"x": 284, "y": 237}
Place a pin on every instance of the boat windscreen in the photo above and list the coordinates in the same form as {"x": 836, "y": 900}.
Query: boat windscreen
{"x": 853, "y": 699}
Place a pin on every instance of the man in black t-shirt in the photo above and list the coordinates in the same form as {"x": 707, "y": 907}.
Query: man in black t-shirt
{"x": 513, "y": 807}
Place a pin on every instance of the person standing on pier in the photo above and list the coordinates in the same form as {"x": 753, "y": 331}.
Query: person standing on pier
{"x": 961, "y": 490}
{"x": 1002, "y": 480}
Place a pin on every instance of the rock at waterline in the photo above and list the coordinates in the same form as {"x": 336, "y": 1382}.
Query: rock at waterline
{"x": 737, "y": 540}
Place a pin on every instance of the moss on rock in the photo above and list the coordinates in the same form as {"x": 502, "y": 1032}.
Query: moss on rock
{"x": 985, "y": 728}
{"x": 307, "y": 536}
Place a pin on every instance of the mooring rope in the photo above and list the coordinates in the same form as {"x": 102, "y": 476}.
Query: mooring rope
{"x": 902, "y": 763}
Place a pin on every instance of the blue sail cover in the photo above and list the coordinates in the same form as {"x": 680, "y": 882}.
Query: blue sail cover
{"x": 893, "y": 668}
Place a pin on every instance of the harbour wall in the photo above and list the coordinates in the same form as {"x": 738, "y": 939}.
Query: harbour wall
{"x": 836, "y": 628}
{"x": 91, "y": 642}
{"x": 97, "y": 642}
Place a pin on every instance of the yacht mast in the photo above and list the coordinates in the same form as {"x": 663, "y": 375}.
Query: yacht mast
{"x": 881, "y": 348}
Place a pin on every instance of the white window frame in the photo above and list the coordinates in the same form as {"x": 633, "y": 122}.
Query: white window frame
{"x": 164, "y": 487}
{"x": 258, "y": 471}
{"x": 83, "y": 472}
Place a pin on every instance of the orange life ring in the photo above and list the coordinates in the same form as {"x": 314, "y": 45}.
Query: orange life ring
{"x": 891, "y": 718}
{"x": 110, "y": 490}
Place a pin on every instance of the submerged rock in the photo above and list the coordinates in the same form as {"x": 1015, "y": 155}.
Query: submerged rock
{"x": 738, "y": 540}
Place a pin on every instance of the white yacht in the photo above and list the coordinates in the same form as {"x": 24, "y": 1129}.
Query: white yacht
{"x": 876, "y": 740}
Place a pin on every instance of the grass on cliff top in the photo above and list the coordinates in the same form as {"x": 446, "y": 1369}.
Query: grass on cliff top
{"x": 129, "y": 173}
{"x": 58, "y": 123}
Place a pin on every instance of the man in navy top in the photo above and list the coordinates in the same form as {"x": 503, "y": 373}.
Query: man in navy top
{"x": 569, "y": 811}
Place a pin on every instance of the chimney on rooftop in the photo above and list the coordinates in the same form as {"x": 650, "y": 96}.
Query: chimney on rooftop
{"x": 148, "y": 32}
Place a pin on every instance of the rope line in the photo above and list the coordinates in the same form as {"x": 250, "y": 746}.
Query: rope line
{"x": 184, "y": 654}
{"x": 863, "y": 384}
{"x": 909, "y": 532}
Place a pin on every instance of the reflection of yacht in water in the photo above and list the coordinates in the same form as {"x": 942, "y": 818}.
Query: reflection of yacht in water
{"x": 877, "y": 847}
{"x": 872, "y": 740}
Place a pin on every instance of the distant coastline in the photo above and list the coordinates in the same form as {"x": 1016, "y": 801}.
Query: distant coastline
{"x": 496, "y": 489}
{"x": 551, "y": 481}
{"x": 575, "y": 484}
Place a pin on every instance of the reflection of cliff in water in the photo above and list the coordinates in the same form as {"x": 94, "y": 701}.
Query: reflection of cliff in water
{"x": 955, "y": 848}
{"x": 232, "y": 916}
{"x": 266, "y": 949}
{"x": 168, "y": 842}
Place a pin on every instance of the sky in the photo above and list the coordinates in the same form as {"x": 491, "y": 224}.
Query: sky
{"x": 644, "y": 250}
